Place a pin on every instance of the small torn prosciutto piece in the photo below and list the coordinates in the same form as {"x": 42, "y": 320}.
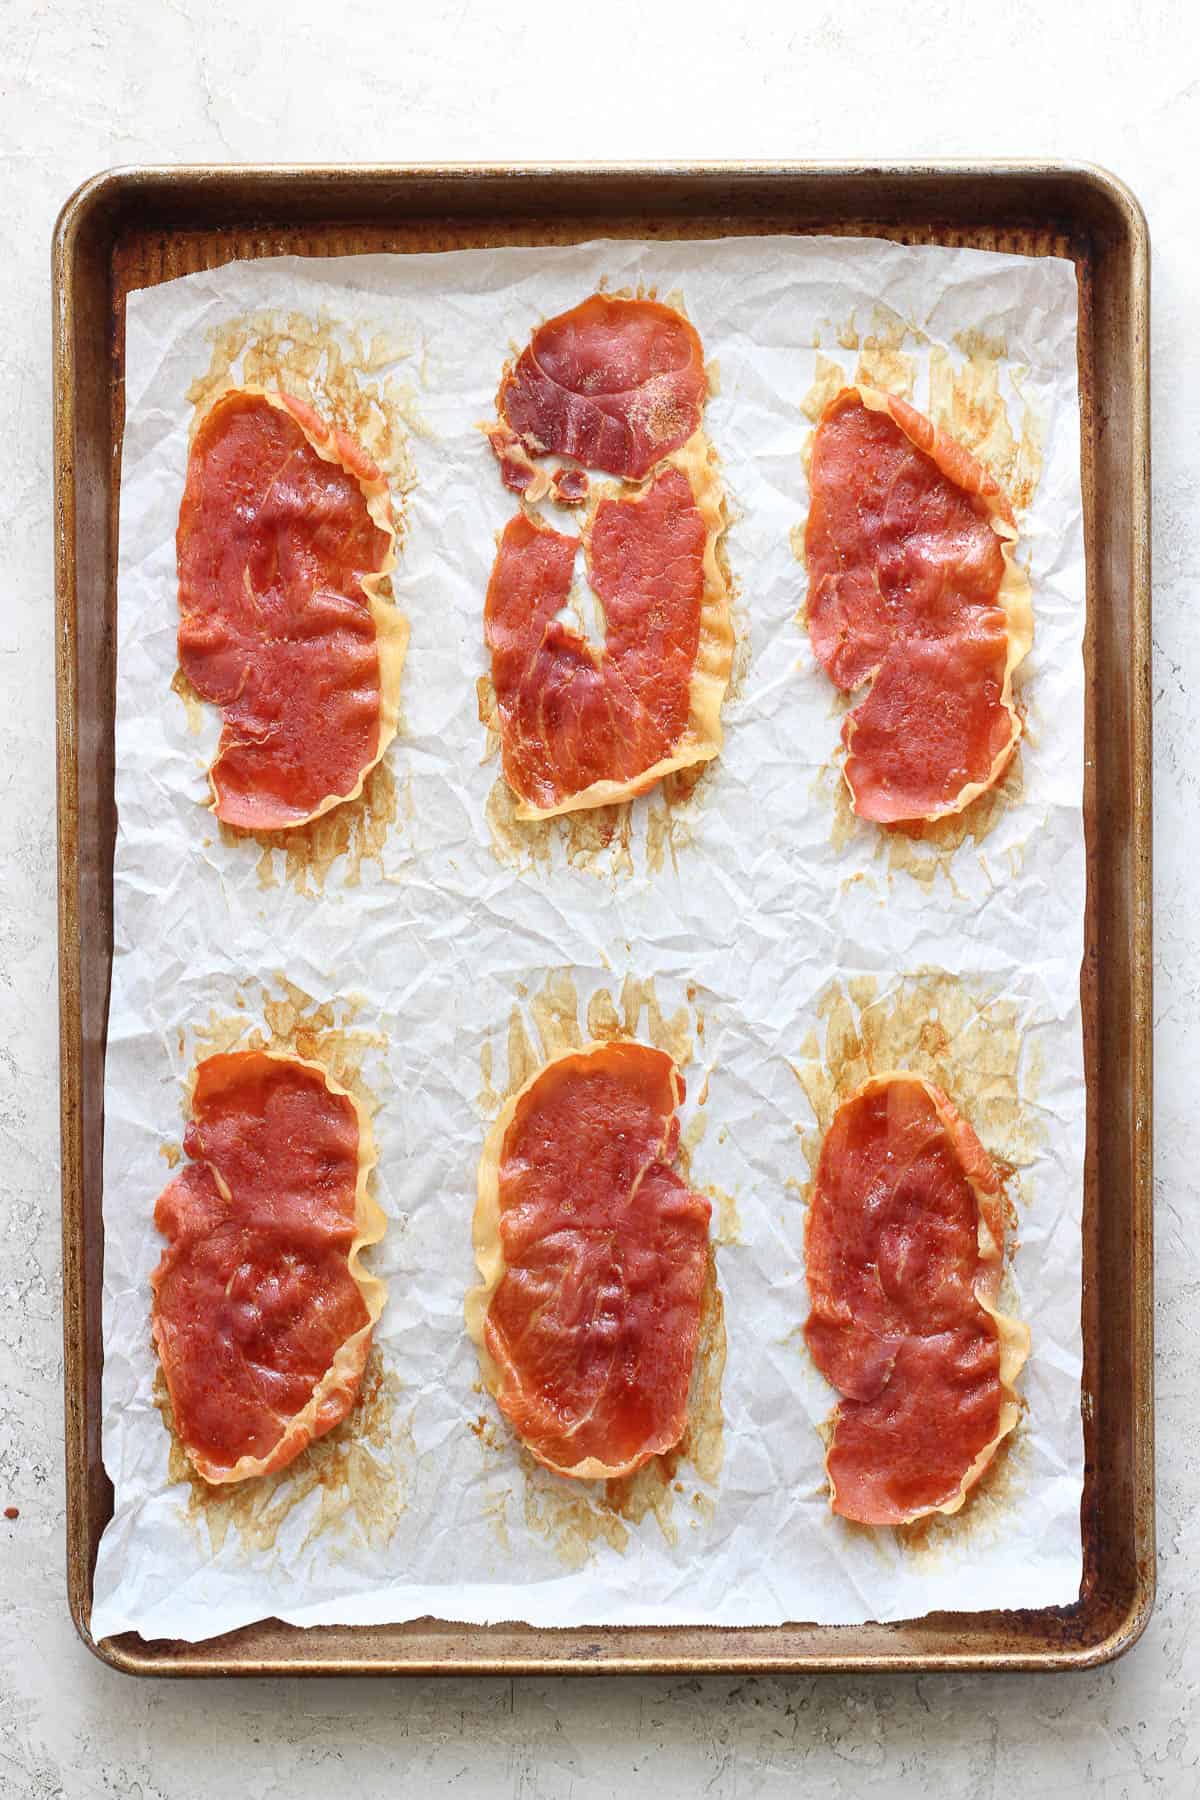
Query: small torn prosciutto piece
{"x": 569, "y": 486}
{"x": 284, "y": 531}
{"x": 518, "y": 471}
{"x": 261, "y": 1316}
{"x": 571, "y": 716}
{"x": 594, "y": 1255}
{"x": 616, "y": 384}
{"x": 913, "y": 595}
{"x": 904, "y": 1247}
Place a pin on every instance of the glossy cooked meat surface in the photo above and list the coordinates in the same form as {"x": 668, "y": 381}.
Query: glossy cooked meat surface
{"x": 571, "y": 715}
{"x": 616, "y": 384}
{"x": 593, "y": 1324}
{"x": 904, "y": 1252}
{"x": 907, "y": 580}
{"x": 276, "y": 627}
{"x": 259, "y": 1321}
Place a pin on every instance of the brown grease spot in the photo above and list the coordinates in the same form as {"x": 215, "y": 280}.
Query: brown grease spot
{"x": 356, "y": 830}
{"x": 193, "y": 706}
{"x": 924, "y": 848}
{"x": 729, "y": 1219}
{"x": 357, "y": 1470}
{"x": 673, "y": 810}
{"x": 673, "y": 1035}
{"x": 829, "y": 380}
{"x": 560, "y": 1026}
{"x": 522, "y": 1058}
{"x": 601, "y": 834}
{"x": 297, "y": 1025}
{"x": 556, "y": 1013}
{"x": 526, "y": 845}
{"x": 487, "y": 1100}
{"x": 880, "y": 366}
{"x": 485, "y": 704}
{"x": 603, "y": 1022}
{"x": 599, "y": 840}
{"x": 690, "y": 1139}
{"x": 986, "y": 1511}
{"x": 956, "y": 1033}
{"x": 326, "y": 364}
{"x": 883, "y": 362}
{"x": 967, "y": 402}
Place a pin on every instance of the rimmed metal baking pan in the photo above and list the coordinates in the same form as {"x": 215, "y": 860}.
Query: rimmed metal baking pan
{"x": 131, "y": 228}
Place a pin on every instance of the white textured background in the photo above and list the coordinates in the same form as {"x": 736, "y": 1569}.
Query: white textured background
{"x": 88, "y": 83}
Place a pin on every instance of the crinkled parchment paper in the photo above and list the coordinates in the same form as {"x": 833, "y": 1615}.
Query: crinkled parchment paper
{"x": 790, "y": 946}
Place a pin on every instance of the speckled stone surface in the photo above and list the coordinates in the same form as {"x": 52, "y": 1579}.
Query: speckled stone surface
{"x": 86, "y": 85}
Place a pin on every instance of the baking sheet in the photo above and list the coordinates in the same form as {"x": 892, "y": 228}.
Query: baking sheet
{"x": 762, "y": 918}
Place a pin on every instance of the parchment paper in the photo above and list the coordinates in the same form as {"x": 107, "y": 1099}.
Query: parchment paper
{"x": 763, "y": 899}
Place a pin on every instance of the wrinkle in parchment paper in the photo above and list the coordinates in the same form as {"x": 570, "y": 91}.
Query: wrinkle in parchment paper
{"x": 745, "y": 904}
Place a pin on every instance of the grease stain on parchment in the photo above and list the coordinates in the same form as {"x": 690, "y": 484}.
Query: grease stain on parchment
{"x": 966, "y": 401}
{"x": 345, "y": 377}
{"x": 925, "y": 849}
{"x": 354, "y": 833}
{"x": 573, "y": 1516}
{"x": 358, "y": 1470}
{"x": 965, "y": 396}
{"x": 727, "y": 1222}
{"x": 335, "y": 369}
{"x": 605, "y": 841}
{"x": 956, "y": 1032}
{"x": 561, "y": 1022}
{"x": 324, "y": 1032}
{"x": 358, "y": 1473}
{"x": 193, "y": 705}
{"x": 988, "y": 1508}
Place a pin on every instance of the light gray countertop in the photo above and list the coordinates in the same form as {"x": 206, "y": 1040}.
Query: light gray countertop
{"x": 87, "y": 85}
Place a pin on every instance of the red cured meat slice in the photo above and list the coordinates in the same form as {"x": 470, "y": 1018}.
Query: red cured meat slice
{"x": 616, "y": 384}
{"x": 285, "y": 533}
{"x": 904, "y": 1247}
{"x": 580, "y": 727}
{"x": 913, "y": 592}
{"x": 262, "y": 1316}
{"x": 593, "y": 1255}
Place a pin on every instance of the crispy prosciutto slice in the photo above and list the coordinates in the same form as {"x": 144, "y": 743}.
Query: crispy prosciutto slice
{"x": 262, "y": 1314}
{"x": 904, "y": 1246}
{"x": 616, "y": 384}
{"x": 593, "y": 1254}
{"x": 913, "y": 594}
{"x": 285, "y": 541}
{"x": 582, "y": 727}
